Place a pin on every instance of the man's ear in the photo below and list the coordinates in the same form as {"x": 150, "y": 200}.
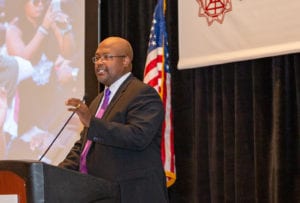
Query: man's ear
{"x": 126, "y": 61}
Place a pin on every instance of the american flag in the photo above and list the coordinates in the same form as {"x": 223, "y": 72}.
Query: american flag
{"x": 157, "y": 74}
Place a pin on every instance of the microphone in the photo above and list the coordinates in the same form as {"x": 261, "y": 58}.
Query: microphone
{"x": 60, "y": 131}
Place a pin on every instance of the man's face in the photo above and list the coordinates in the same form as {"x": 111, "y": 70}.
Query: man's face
{"x": 110, "y": 64}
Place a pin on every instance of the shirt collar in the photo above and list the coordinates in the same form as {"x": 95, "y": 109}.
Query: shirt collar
{"x": 116, "y": 85}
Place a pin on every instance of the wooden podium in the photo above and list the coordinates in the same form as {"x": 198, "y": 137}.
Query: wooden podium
{"x": 37, "y": 182}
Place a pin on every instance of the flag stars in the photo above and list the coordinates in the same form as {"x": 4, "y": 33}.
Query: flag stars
{"x": 153, "y": 43}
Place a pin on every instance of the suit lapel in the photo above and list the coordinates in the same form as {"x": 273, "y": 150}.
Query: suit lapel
{"x": 122, "y": 89}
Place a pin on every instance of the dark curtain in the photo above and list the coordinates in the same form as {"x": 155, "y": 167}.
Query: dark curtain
{"x": 237, "y": 132}
{"x": 236, "y": 125}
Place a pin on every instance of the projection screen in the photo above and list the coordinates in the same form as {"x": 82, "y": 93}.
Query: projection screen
{"x": 41, "y": 65}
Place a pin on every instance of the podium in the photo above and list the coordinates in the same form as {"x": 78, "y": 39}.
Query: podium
{"x": 37, "y": 182}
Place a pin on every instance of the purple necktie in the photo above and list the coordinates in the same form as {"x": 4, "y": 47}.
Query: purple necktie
{"x": 88, "y": 144}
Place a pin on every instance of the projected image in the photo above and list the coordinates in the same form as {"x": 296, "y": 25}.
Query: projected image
{"x": 41, "y": 65}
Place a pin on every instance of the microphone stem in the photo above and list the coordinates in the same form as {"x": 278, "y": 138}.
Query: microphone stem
{"x": 56, "y": 136}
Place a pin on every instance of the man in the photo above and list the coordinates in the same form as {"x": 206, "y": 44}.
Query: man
{"x": 125, "y": 142}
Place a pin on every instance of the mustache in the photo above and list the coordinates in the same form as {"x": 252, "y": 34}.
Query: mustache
{"x": 100, "y": 69}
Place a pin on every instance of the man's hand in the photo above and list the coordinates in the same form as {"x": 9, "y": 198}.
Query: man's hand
{"x": 81, "y": 109}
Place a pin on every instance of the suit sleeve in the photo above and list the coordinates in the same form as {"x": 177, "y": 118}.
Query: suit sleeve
{"x": 135, "y": 121}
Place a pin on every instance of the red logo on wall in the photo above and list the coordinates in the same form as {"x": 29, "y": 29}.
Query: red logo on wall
{"x": 214, "y": 10}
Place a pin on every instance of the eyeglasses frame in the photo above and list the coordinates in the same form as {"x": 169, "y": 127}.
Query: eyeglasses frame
{"x": 106, "y": 57}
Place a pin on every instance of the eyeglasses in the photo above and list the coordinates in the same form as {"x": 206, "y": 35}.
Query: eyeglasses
{"x": 106, "y": 57}
{"x": 37, "y": 2}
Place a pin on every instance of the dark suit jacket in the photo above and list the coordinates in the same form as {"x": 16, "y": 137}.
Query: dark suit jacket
{"x": 126, "y": 143}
